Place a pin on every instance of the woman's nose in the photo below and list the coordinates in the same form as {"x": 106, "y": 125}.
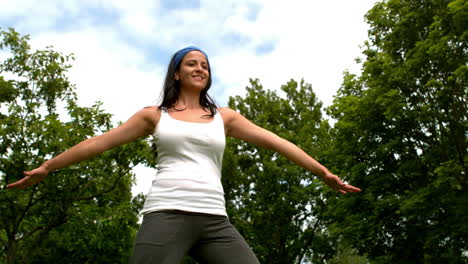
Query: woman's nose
{"x": 199, "y": 67}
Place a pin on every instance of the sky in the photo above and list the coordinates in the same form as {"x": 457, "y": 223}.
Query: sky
{"x": 122, "y": 48}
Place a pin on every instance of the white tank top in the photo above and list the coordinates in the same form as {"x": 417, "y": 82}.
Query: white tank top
{"x": 189, "y": 162}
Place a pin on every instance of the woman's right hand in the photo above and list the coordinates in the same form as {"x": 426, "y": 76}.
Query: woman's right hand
{"x": 30, "y": 178}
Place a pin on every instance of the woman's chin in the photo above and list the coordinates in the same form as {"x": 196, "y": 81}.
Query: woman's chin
{"x": 195, "y": 87}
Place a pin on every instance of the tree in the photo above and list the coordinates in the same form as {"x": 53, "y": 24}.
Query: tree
{"x": 401, "y": 135}
{"x": 275, "y": 204}
{"x": 83, "y": 213}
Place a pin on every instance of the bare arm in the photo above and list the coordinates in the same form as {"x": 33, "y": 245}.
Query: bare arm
{"x": 238, "y": 126}
{"x": 139, "y": 125}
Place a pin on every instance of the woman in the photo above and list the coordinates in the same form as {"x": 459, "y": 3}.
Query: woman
{"x": 184, "y": 213}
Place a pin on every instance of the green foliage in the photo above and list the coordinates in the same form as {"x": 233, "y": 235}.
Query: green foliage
{"x": 401, "y": 136}
{"x": 275, "y": 204}
{"x": 80, "y": 214}
{"x": 347, "y": 255}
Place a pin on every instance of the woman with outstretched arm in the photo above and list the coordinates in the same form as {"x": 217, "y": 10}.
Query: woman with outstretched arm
{"x": 184, "y": 212}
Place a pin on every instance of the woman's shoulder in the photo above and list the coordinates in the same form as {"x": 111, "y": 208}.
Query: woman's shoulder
{"x": 151, "y": 114}
{"x": 225, "y": 111}
{"x": 227, "y": 114}
{"x": 152, "y": 108}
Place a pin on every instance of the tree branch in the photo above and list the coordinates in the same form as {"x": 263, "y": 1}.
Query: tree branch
{"x": 58, "y": 221}
{"x": 108, "y": 190}
{"x": 311, "y": 238}
{"x": 309, "y": 241}
{"x": 25, "y": 210}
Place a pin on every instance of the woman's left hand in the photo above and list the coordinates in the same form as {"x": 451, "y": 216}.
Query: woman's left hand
{"x": 337, "y": 184}
{"x": 30, "y": 178}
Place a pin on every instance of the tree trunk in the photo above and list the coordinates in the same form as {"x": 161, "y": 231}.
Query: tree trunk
{"x": 11, "y": 251}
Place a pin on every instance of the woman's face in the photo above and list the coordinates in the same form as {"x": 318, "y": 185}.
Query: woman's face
{"x": 193, "y": 71}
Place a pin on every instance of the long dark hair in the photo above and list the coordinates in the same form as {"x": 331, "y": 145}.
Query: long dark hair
{"x": 171, "y": 90}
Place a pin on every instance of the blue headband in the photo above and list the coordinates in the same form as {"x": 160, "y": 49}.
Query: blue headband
{"x": 181, "y": 54}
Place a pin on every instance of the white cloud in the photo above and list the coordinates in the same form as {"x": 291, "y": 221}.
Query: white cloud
{"x": 314, "y": 40}
{"x": 106, "y": 69}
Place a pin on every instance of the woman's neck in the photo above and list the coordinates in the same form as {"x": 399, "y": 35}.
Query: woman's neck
{"x": 188, "y": 100}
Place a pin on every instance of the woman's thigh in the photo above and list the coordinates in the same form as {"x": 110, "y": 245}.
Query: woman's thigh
{"x": 162, "y": 238}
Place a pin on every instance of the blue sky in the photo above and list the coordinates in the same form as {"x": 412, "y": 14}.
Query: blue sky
{"x": 122, "y": 47}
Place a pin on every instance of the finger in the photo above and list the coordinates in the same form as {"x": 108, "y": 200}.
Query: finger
{"x": 338, "y": 185}
{"x": 352, "y": 188}
{"x": 24, "y": 183}
{"x": 21, "y": 184}
{"x": 15, "y": 185}
{"x": 349, "y": 188}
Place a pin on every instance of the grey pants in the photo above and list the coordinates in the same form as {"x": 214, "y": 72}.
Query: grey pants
{"x": 165, "y": 237}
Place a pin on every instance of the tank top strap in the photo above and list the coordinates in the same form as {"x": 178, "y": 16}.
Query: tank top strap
{"x": 217, "y": 116}
{"x": 164, "y": 114}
